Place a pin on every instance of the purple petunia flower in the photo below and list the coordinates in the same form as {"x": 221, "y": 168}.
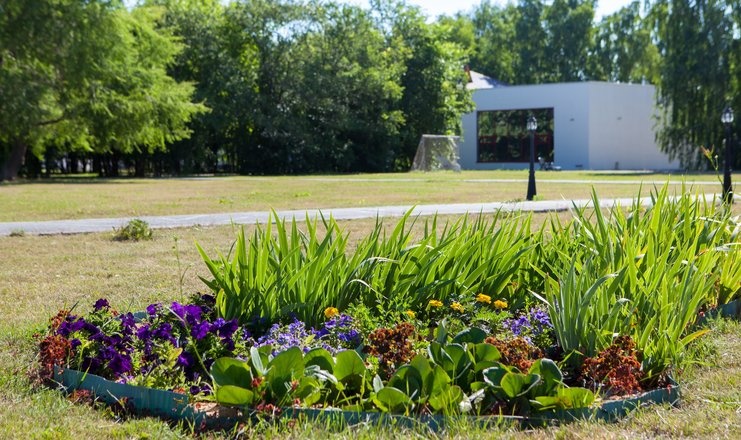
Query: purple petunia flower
{"x": 152, "y": 309}
{"x": 91, "y": 364}
{"x": 178, "y": 309}
{"x": 225, "y": 329}
{"x": 112, "y": 340}
{"x": 186, "y": 360}
{"x": 127, "y": 321}
{"x": 540, "y": 317}
{"x": 351, "y": 337}
{"x": 164, "y": 332}
{"x": 101, "y": 304}
{"x": 68, "y": 327}
{"x": 143, "y": 332}
{"x": 200, "y": 330}
{"x": 189, "y": 313}
{"x": 321, "y": 332}
{"x": 120, "y": 364}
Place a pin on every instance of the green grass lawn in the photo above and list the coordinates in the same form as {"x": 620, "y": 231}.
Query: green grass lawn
{"x": 41, "y": 274}
{"x": 75, "y": 198}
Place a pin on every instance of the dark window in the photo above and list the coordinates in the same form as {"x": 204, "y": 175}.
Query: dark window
{"x": 502, "y": 135}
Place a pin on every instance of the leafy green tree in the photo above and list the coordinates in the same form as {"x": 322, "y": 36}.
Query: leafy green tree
{"x": 347, "y": 89}
{"x": 222, "y": 83}
{"x": 86, "y": 75}
{"x": 261, "y": 36}
{"x": 433, "y": 82}
{"x": 569, "y": 29}
{"x": 698, "y": 42}
{"x": 495, "y": 33}
{"x": 624, "y": 50}
{"x": 531, "y": 43}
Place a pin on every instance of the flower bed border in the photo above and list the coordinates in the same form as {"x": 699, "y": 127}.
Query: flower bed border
{"x": 174, "y": 406}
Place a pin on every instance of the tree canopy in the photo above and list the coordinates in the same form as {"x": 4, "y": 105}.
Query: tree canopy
{"x": 308, "y": 86}
{"x": 87, "y": 76}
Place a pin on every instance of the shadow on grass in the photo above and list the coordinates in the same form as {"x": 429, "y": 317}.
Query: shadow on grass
{"x": 95, "y": 179}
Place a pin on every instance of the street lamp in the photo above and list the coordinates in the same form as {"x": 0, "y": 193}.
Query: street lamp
{"x": 532, "y": 125}
{"x": 727, "y": 119}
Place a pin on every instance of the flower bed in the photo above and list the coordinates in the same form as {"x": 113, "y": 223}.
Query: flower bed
{"x": 477, "y": 318}
{"x": 126, "y": 359}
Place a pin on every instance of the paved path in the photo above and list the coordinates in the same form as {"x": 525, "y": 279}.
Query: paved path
{"x": 179, "y": 221}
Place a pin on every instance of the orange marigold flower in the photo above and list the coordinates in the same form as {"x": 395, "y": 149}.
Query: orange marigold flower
{"x": 330, "y": 312}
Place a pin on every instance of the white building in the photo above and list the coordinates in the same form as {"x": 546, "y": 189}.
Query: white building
{"x": 582, "y": 125}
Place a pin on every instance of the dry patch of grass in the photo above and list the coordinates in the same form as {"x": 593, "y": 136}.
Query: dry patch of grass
{"x": 100, "y": 198}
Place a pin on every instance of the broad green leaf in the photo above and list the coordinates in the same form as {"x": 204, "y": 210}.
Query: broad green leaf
{"x": 348, "y": 363}
{"x": 565, "y": 398}
{"x": 407, "y": 379}
{"x": 390, "y": 399}
{"x": 257, "y": 361}
{"x": 234, "y": 396}
{"x": 549, "y": 373}
{"x": 485, "y": 352}
{"x": 460, "y": 361}
{"x": 447, "y": 400}
{"x": 576, "y": 397}
{"x": 306, "y": 386}
{"x": 440, "y": 380}
{"x": 230, "y": 371}
{"x": 287, "y": 364}
{"x": 472, "y": 335}
{"x": 320, "y": 357}
{"x": 493, "y": 376}
{"x": 518, "y": 384}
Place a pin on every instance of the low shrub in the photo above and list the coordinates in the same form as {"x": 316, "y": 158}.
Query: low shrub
{"x": 135, "y": 230}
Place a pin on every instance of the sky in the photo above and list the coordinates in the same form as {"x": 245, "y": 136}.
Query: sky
{"x": 433, "y": 8}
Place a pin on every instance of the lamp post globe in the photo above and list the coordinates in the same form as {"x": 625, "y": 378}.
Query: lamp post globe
{"x": 727, "y": 119}
{"x": 532, "y": 125}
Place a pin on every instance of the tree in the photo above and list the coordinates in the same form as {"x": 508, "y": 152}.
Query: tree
{"x": 569, "y": 27}
{"x": 531, "y": 40}
{"x": 495, "y": 33}
{"x": 222, "y": 83}
{"x": 348, "y": 90}
{"x": 88, "y": 76}
{"x": 699, "y": 46}
{"x": 433, "y": 82}
{"x": 624, "y": 50}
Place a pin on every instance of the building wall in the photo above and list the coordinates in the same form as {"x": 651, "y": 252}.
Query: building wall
{"x": 596, "y": 125}
{"x": 621, "y": 129}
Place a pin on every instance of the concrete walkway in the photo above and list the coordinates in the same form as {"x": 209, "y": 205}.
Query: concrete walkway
{"x": 181, "y": 221}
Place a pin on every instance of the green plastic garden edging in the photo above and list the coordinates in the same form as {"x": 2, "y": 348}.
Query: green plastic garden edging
{"x": 175, "y": 406}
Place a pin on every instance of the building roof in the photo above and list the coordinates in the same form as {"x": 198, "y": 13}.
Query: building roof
{"x": 478, "y": 81}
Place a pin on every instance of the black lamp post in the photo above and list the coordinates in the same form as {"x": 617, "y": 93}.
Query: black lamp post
{"x": 727, "y": 119}
{"x": 532, "y": 125}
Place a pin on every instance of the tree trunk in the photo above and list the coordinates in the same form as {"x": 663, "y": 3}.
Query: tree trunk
{"x": 9, "y": 169}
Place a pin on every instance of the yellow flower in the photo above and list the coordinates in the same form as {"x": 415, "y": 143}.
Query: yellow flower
{"x": 486, "y": 299}
{"x": 411, "y": 314}
{"x": 330, "y": 312}
{"x": 435, "y": 303}
{"x": 500, "y": 304}
{"x": 457, "y": 307}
